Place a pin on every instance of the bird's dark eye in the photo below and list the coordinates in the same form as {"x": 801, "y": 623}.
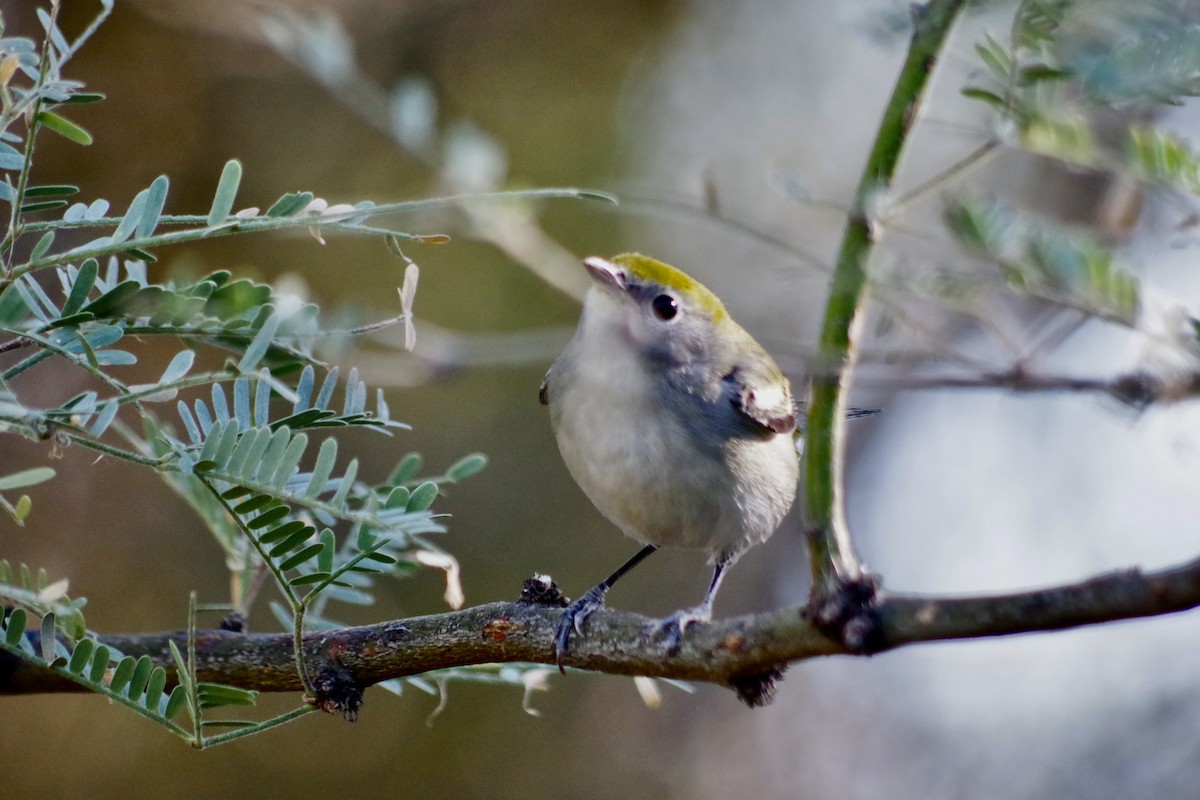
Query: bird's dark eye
{"x": 665, "y": 306}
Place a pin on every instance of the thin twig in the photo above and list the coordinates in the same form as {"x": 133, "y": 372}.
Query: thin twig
{"x": 957, "y": 169}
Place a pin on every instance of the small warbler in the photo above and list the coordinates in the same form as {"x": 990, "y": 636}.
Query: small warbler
{"x": 676, "y": 424}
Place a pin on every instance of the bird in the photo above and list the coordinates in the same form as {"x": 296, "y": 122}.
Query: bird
{"x": 676, "y": 424}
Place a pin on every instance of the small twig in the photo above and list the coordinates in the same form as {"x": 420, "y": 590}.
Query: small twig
{"x": 958, "y": 168}
{"x": 646, "y": 204}
{"x": 15, "y": 344}
{"x": 257, "y": 581}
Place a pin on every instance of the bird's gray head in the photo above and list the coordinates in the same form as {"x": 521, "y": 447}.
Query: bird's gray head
{"x": 660, "y": 312}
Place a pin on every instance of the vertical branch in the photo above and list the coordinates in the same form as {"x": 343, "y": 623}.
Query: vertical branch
{"x": 830, "y": 546}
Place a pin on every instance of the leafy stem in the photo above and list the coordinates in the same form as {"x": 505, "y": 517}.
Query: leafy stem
{"x": 121, "y": 453}
{"x": 834, "y": 560}
{"x": 280, "y": 579}
{"x": 339, "y": 220}
{"x": 34, "y": 122}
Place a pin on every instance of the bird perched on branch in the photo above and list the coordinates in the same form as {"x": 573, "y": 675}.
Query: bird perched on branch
{"x": 674, "y": 421}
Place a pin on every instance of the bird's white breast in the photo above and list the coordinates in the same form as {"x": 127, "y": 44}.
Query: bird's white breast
{"x": 645, "y": 470}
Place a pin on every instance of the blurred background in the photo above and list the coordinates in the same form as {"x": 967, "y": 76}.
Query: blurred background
{"x": 734, "y": 134}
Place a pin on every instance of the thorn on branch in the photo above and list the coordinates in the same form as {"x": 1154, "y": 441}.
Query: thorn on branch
{"x": 541, "y": 590}
{"x": 337, "y": 692}
{"x": 848, "y": 614}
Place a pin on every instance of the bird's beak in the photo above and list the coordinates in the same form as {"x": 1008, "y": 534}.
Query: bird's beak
{"x": 606, "y": 273}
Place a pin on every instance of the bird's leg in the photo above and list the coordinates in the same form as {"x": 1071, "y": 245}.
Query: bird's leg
{"x": 673, "y": 627}
{"x": 573, "y": 618}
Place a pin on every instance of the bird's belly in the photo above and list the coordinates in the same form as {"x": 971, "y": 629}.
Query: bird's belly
{"x": 648, "y": 476}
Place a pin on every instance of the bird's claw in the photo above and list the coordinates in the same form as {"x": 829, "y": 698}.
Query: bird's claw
{"x": 672, "y": 628}
{"x": 572, "y": 622}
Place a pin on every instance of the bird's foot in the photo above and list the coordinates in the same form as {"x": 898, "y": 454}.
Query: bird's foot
{"x": 673, "y": 627}
{"x": 572, "y": 622}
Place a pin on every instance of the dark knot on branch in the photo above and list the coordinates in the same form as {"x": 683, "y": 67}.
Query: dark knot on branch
{"x": 848, "y": 614}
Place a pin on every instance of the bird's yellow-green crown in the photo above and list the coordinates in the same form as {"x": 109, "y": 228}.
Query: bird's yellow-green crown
{"x": 650, "y": 269}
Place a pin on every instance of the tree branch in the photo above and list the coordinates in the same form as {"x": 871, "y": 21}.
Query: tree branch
{"x": 835, "y": 565}
{"x": 747, "y": 654}
{"x": 1137, "y": 389}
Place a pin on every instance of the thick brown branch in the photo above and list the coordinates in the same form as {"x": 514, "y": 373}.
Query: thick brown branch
{"x": 1128, "y": 594}
{"x": 731, "y": 652}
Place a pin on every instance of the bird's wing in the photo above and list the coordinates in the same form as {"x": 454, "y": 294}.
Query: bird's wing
{"x": 761, "y": 395}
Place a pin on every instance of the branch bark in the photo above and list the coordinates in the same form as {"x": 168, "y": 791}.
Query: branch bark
{"x": 746, "y": 654}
